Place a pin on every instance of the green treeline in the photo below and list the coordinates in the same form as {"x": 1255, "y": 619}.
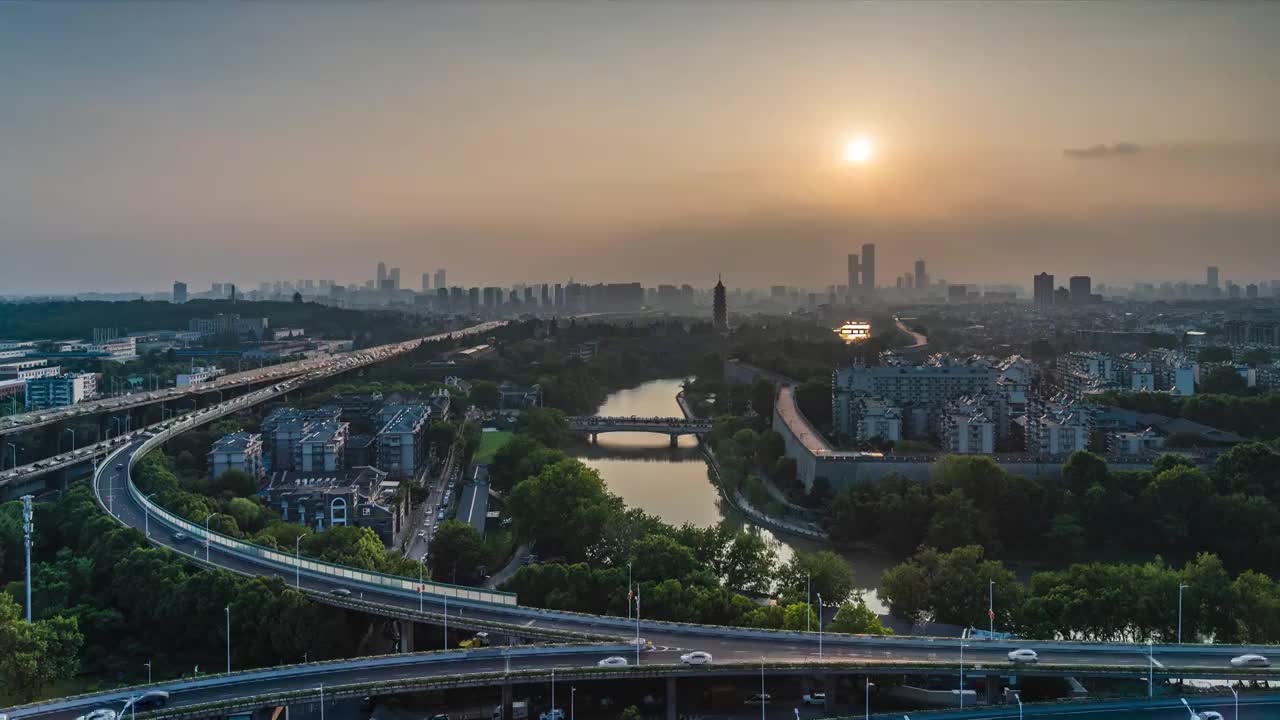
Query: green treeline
{"x": 65, "y": 319}
{"x": 1252, "y": 416}
{"x": 109, "y": 602}
{"x": 1091, "y": 512}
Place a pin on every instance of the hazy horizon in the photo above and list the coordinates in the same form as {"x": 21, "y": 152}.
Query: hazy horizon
{"x": 142, "y": 143}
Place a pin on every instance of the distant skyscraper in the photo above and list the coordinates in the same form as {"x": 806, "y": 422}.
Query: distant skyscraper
{"x": 1044, "y": 290}
{"x": 1081, "y": 290}
{"x": 394, "y": 278}
{"x": 559, "y": 296}
{"x": 382, "y": 275}
{"x": 869, "y": 267}
{"x": 440, "y": 280}
{"x": 720, "y": 310}
{"x": 426, "y": 282}
{"x": 179, "y": 292}
{"x": 1211, "y": 277}
{"x": 922, "y": 279}
{"x": 855, "y": 274}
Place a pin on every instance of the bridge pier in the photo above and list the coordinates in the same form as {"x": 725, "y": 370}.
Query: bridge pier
{"x": 829, "y": 693}
{"x": 507, "y": 700}
{"x": 671, "y": 698}
{"x": 406, "y": 635}
{"x": 993, "y": 686}
{"x": 675, "y": 440}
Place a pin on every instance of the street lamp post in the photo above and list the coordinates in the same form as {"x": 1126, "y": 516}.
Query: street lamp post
{"x": 1016, "y": 696}
{"x": 819, "y": 626}
{"x": 297, "y": 562}
{"x": 206, "y": 536}
{"x": 962, "y": 647}
{"x": 321, "y": 701}
{"x": 573, "y": 693}
{"x": 866, "y": 699}
{"x": 1151, "y": 662}
{"x": 762, "y": 703}
{"x": 446, "y": 622}
{"x": 419, "y": 585}
{"x": 991, "y": 608}
{"x": 73, "y": 437}
{"x": 28, "y": 527}
{"x": 808, "y": 600}
{"x": 148, "y": 664}
{"x": 228, "y": 611}
{"x": 637, "y": 626}
{"x": 553, "y": 694}
{"x": 146, "y": 516}
{"x": 1236, "y": 696}
{"x": 1181, "y": 587}
{"x": 14, "y": 449}
{"x": 628, "y": 589}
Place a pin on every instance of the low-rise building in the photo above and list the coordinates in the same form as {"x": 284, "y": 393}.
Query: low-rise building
{"x": 1133, "y": 444}
{"x": 402, "y": 442}
{"x": 363, "y": 497}
{"x": 284, "y": 428}
{"x": 60, "y": 391}
{"x": 321, "y": 448}
{"x": 876, "y": 420}
{"x": 237, "y": 451}
{"x": 28, "y": 370}
{"x": 967, "y": 427}
{"x": 519, "y": 397}
{"x": 198, "y": 375}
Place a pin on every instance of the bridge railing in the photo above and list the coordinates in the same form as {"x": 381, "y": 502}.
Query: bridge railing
{"x": 314, "y": 568}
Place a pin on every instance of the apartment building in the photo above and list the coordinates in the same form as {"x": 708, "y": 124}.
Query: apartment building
{"x": 237, "y": 451}
{"x": 920, "y": 391}
{"x": 61, "y": 390}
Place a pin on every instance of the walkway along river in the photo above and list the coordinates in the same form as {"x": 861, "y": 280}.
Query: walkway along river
{"x": 675, "y": 483}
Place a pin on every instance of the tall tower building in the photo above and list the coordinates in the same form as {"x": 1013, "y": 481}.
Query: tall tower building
{"x": 1211, "y": 277}
{"x": 869, "y": 267}
{"x": 179, "y": 292}
{"x": 1081, "y": 289}
{"x": 922, "y": 278}
{"x": 855, "y": 274}
{"x": 1044, "y": 290}
{"x": 394, "y": 278}
{"x": 426, "y": 282}
{"x": 719, "y": 309}
{"x": 382, "y": 275}
{"x": 440, "y": 279}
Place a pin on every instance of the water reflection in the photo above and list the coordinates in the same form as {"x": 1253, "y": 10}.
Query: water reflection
{"x": 675, "y": 485}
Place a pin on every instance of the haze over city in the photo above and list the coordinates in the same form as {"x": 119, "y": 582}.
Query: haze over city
{"x": 140, "y": 143}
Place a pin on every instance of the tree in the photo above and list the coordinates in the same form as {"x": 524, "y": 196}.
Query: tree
{"x": 745, "y": 561}
{"x": 824, "y": 573}
{"x": 1223, "y": 380}
{"x": 545, "y": 425}
{"x": 297, "y": 298}
{"x": 1082, "y": 470}
{"x": 763, "y": 393}
{"x": 235, "y": 483}
{"x": 564, "y": 510}
{"x": 856, "y": 618}
{"x": 784, "y": 472}
{"x": 485, "y": 395}
{"x": 456, "y": 553}
{"x": 34, "y": 655}
{"x": 659, "y": 557}
{"x": 1252, "y": 468}
{"x": 951, "y": 587}
{"x": 631, "y": 712}
{"x": 1256, "y": 357}
{"x": 769, "y": 448}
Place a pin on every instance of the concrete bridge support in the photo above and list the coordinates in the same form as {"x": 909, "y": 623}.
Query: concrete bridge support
{"x": 993, "y": 689}
{"x": 507, "y": 700}
{"x": 405, "y": 627}
{"x": 671, "y": 698}
{"x": 675, "y": 440}
{"x": 829, "y": 690}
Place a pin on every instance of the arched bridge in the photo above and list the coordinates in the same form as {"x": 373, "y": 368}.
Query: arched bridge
{"x": 673, "y": 427}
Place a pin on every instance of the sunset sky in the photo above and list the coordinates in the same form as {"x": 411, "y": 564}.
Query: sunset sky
{"x": 143, "y": 143}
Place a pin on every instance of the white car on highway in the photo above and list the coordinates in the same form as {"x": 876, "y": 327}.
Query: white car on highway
{"x": 1250, "y": 661}
{"x": 1024, "y": 655}
{"x": 613, "y": 661}
{"x": 697, "y": 657}
{"x": 815, "y": 698}
{"x": 99, "y": 714}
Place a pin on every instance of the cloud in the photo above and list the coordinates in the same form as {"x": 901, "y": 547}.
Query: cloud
{"x": 1103, "y": 151}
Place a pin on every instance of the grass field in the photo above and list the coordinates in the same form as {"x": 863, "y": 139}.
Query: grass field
{"x": 490, "y": 443}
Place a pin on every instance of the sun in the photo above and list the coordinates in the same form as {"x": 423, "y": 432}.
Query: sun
{"x": 858, "y": 151}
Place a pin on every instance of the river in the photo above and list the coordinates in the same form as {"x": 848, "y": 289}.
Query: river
{"x": 675, "y": 483}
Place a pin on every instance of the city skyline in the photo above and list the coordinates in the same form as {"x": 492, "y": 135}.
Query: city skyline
{"x": 440, "y": 136}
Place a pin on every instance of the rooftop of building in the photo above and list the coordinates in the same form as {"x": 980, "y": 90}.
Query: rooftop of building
{"x": 236, "y": 441}
{"x": 364, "y": 478}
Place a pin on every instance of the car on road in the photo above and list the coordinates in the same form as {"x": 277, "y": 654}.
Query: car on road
{"x": 422, "y": 533}
{"x": 697, "y": 657}
{"x": 814, "y": 698}
{"x": 147, "y": 701}
{"x": 1023, "y": 655}
{"x": 340, "y": 592}
{"x": 1206, "y": 715}
{"x": 758, "y": 699}
{"x": 100, "y": 714}
{"x": 440, "y": 716}
{"x": 1250, "y": 661}
{"x": 613, "y": 661}
{"x": 179, "y": 536}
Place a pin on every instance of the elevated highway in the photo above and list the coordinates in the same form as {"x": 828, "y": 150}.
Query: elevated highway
{"x": 31, "y": 476}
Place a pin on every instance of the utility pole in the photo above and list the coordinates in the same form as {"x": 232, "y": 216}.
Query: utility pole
{"x": 228, "y": 610}
{"x": 28, "y": 527}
